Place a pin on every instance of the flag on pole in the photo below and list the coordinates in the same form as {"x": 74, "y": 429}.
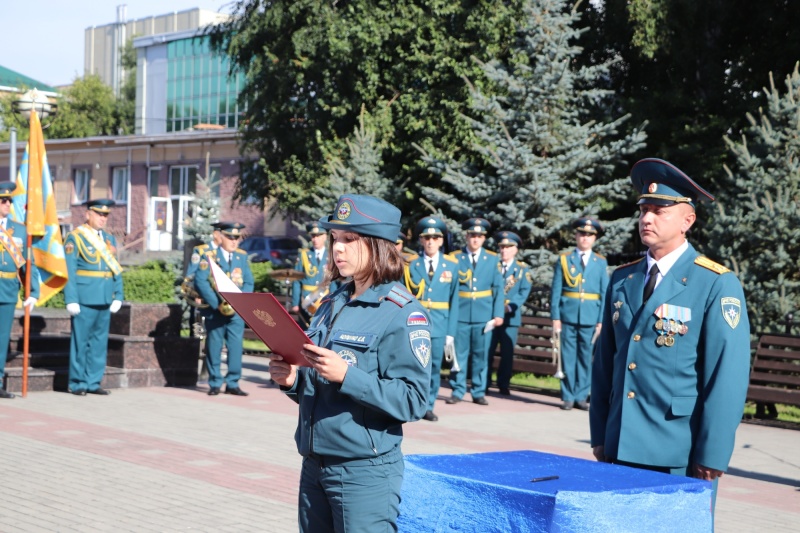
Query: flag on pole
{"x": 34, "y": 205}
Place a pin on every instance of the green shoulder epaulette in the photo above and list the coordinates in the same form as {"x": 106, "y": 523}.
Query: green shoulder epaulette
{"x": 705, "y": 262}
{"x": 630, "y": 264}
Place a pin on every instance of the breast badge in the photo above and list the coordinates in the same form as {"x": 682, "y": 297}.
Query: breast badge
{"x": 349, "y": 357}
{"x": 446, "y": 276}
{"x": 617, "y": 306}
{"x": 672, "y": 320}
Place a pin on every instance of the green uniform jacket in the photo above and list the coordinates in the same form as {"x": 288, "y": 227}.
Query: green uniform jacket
{"x": 384, "y": 335}
{"x": 91, "y": 281}
{"x": 671, "y": 406}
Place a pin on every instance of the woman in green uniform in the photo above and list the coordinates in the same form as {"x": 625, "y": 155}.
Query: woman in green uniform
{"x": 369, "y": 372}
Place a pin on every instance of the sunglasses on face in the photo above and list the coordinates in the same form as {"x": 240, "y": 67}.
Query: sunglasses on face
{"x": 429, "y": 237}
{"x": 101, "y": 214}
{"x": 5, "y": 200}
{"x": 231, "y": 237}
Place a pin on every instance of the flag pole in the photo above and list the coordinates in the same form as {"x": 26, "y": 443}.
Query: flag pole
{"x": 26, "y": 324}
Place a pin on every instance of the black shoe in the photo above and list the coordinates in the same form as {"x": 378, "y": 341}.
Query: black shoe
{"x": 452, "y": 399}
{"x": 100, "y": 391}
{"x": 78, "y": 392}
{"x": 6, "y": 394}
{"x": 504, "y": 391}
{"x": 566, "y": 406}
{"x": 236, "y": 391}
{"x": 583, "y": 406}
{"x": 480, "y": 401}
{"x": 430, "y": 417}
{"x": 213, "y": 391}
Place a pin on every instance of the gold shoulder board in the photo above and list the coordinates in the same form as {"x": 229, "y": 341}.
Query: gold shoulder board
{"x": 631, "y": 263}
{"x": 705, "y": 262}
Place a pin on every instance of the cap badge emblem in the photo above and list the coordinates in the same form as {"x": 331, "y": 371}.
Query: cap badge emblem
{"x": 344, "y": 211}
{"x": 652, "y": 188}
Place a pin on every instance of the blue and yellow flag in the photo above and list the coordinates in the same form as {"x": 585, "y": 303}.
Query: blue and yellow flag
{"x": 35, "y": 206}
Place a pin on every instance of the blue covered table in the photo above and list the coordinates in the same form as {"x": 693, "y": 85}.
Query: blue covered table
{"x": 493, "y": 492}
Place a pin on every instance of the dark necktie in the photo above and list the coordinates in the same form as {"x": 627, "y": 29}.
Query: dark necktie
{"x": 430, "y": 269}
{"x": 474, "y": 261}
{"x": 583, "y": 265}
{"x": 651, "y": 283}
{"x": 505, "y": 269}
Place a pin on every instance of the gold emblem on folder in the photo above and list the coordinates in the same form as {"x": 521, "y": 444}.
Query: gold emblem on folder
{"x": 264, "y": 317}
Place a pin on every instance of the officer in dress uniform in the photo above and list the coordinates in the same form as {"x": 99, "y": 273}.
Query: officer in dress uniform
{"x": 311, "y": 262}
{"x": 579, "y": 287}
{"x": 433, "y": 279}
{"x": 368, "y": 373}
{"x": 517, "y": 282}
{"x": 481, "y": 308}
{"x": 13, "y": 250}
{"x": 93, "y": 291}
{"x": 222, "y": 323}
{"x": 672, "y": 364}
{"x": 200, "y": 249}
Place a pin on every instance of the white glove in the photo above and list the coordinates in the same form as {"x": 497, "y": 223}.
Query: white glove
{"x": 449, "y": 341}
{"x": 30, "y": 303}
{"x": 489, "y": 326}
{"x": 450, "y": 350}
{"x": 115, "y": 305}
{"x": 74, "y": 309}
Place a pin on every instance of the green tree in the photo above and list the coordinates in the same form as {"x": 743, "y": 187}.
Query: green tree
{"x": 540, "y": 156}
{"x": 312, "y": 64}
{"x": 125, "y": 105}
{"x": 205, "y": 210}
{"x": 86, "y": 109}
{"x": 357, "y": 171}
{"x": 755, "y": 230}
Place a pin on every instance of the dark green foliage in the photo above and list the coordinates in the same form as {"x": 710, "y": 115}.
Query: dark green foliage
{"x": 205, "y": 211}
{"x": 755, "y": 227}
{"x": 263, "y": 282}
{"x": 312, "y": 64}
{"x": 548, "y": 146}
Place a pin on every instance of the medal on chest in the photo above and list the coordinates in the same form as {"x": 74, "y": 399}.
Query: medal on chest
{"x": 671, "y": 321}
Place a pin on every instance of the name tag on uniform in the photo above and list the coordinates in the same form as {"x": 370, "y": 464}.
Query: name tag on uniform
{"x": 353, "y": 338}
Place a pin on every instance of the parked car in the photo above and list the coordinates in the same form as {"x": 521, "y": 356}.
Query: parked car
{"x": 280, "y": 251}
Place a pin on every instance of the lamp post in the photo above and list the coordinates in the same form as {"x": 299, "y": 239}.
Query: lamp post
{"x": 23, "y": 105}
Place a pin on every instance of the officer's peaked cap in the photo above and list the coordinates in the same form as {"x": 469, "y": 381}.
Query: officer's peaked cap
{"x": 662, "y": 183}
{"x": 588, "y": 225}
{"x": 476, "y": 225}
{"x": 431, "y": 226}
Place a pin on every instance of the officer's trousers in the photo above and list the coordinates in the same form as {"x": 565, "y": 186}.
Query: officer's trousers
{"x": 88, "y": 349}
{"x": 576, "y": 362}
{"x": 471, "y": 348}
{"x": 352, "y": 497}
{"x": 437, "y": 354}
{"x": 6, "y": 323}
{"x": 230, "y": 331}
{"x": 506, "y": 337}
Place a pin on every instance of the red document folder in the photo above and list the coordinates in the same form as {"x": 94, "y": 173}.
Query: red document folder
{"x": 267, "y": 317}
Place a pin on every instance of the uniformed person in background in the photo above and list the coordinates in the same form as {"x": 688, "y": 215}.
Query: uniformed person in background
{"x": 433, "y": 279}
{"x": 200, "y": 249}
{"x": 13, "y": 250}
{"x": 223, "y": 325}
{"x": 516, "y": 287}
{"x": 671, "y": 368}
{"x": 369, "y": 373}
{"x": 481, "y": 309}
{"x": 93, "y": 291}
{"x": 307, "y": 293}
{"x": 579, "y": 287}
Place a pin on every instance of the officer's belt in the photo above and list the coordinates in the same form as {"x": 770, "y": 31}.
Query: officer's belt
{"x": 427, "y": 304}
{"x": 310, "y": 288}
{"x": 476, "y": 294}
{"x": 95, "y": 273}
{"x": 8, "y": 275}
{"x": 581, "y": 295}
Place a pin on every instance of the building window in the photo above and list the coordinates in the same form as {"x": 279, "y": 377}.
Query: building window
{"x": 152, "y": 181}
{"x": 119, "y": 185}
{"x": 200, "y": 89}
{"x": 182, "y": 181}
{"x": 81, "y": 179}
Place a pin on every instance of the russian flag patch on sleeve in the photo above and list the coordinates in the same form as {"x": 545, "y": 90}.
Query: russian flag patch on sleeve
{"x": 417, "y": 319}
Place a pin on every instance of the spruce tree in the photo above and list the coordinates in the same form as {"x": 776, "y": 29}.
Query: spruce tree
{"x": 205, "y": 211}
{"x": 546, "y": 147}
{"x": 357, "y": 172}
{"x": 754, "y": 231}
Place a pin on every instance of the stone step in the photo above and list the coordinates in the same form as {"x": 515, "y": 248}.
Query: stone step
{"x": 42, "y": 343}
{"x": 57, "y": 379}
{"x": 39, "y": 359}
{"x": 42, "y": 321}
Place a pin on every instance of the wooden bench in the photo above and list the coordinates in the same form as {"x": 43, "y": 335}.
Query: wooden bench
{"x": 775, "y": 370}
{"x": 534, "y": 351}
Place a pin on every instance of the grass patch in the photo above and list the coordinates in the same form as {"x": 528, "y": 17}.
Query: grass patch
{"x": 254, "y": 345}
{"x": 786, "y": 413}
{"x": 534, "y": 381}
